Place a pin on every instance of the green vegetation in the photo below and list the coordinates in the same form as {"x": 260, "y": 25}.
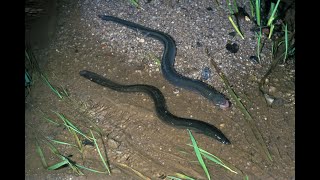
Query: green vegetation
{"x": 233, "y": 9}
{"x": 199, "y": 154}
{"x": 267, "y": 22}
{"x": 135, "y": 3}
{"x": 65, "y": 161}
{"x": 180, "y": 176}
{"x": 235, "y": 27}
{"x": 249, "y": 120}
{"x": 34, "y": 67}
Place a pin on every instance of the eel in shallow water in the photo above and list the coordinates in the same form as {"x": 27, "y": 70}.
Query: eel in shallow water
{"x": 160, "y": 106}
{"x": 167, "y": 63}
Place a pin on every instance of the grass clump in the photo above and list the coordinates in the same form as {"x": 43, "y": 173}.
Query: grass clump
{"x": 34, "y": 67}
{"x": 65, "y": 160}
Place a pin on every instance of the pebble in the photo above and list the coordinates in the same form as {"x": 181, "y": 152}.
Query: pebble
{"x": 176, "y": 91}
{"x": 272, "y": 89}
{"x": 141, "y": 40}
{"x": 206, "y": 73}
{"x": 113, "y": 144}
{"x": 116, "y": 171}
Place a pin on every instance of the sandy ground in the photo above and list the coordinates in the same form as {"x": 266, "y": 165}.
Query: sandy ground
{"x": 134, "y": 138}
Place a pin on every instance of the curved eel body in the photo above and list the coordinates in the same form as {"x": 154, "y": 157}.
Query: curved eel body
{"x": 160, "y": 106}
{"x": 168, "y": 60}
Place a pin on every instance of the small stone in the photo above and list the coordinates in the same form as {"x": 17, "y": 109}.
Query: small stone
{"x": 113, "y": 144}
{"x": 116, "y": 171}
{"x": 176, "y": 91}
{"x": 141, "y": 40}
{"x": 272, "y": 89}
{"x": 206, "y": 73}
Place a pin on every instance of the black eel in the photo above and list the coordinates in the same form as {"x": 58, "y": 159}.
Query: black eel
{"x": 160, "y": 106}
{"x": 167, "y": 63}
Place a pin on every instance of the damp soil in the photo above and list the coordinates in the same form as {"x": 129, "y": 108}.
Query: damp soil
{"x": 136, "y": 142}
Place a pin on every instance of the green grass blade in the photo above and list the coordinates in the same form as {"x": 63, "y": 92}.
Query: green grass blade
{"x": 181, "y": 176}
{"x": 27, "y": 78}
{"x": 271, "y": 9}
{"x": 251, "y": 8}
{"x": 50, "y": 86}
{"x": 39, "y": 151}
{"x": 68, "y": 124}
{"x": 89, "y": 169}
{"x": 217, "y": 161}
{"x": 235, "y": 26}
{"x": 286, "y": 43}
{"x": 65, "y": 92}
{"x": 97, "y": 147}
{"x": 258, "y": 12}
{"x": 53, "y": 149}
{"x": 173, "y": 178}
{"x": 71, "y": 165}
{"x": 48, "y": 119}
{"x": 198, "y": 154}
{"x": 214, "y": 158}
{"x": 246, "y": 177}
{"x": 271, "y": 31}
{"x": 63, "y": 143}
{"x": 135, "y": 3}
{"x": 79, "y": 143}
{"x": 51, "y": 121}
{"x": 230, "y": 7}
{"x": 63, "y": 158}
{"x": 249, "y": 120}
{"x": 235, "y": 6}
{"x": 272, "y": 17}
{"x": 58, "y": 165}
{"x": 258, "y": 45}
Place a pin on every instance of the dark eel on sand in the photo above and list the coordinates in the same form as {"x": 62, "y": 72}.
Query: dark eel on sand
{"x": 167, "y": 63}
{"x": 167, "y": 66}
{"x": 160, "y": 106}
